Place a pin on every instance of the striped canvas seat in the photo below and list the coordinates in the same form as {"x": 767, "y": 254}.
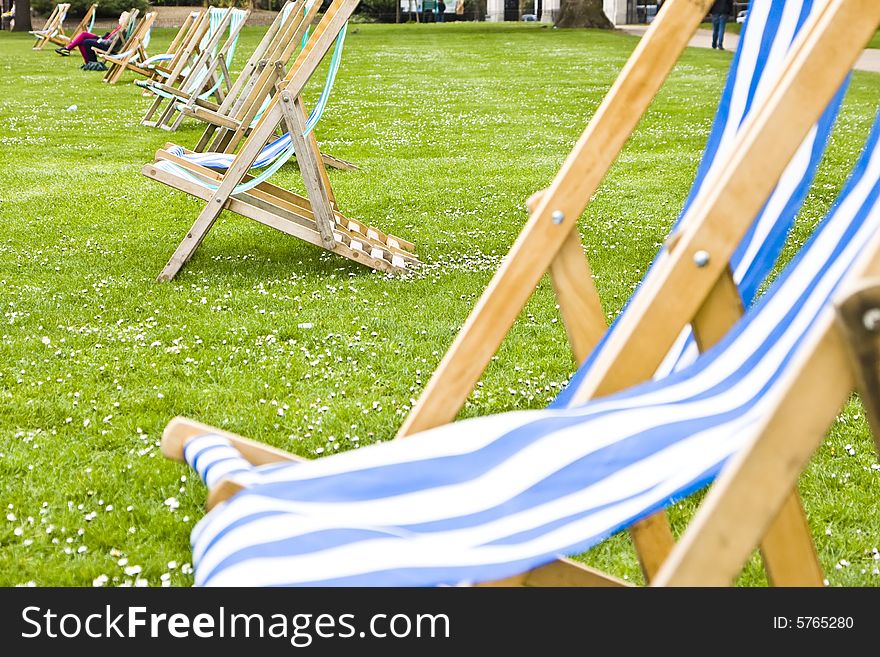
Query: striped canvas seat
{"x": 486, "y": 498}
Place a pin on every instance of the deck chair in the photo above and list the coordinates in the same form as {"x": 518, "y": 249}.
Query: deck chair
{"x": 231, "y": 121}
{"x": 314, "y": 219}
{"x": 202, "y": 75}
{"x": 158, "y": 67}
{"x": 133, "y": 51}
{"x": 770, "y": 131}
{"x": 54, "y": 26}
{"x": 85, "y": 25}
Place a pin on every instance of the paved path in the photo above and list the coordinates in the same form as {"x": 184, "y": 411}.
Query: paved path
{"x": 869, "y": 61}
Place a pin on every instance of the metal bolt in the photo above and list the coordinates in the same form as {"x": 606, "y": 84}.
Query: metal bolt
{"x": 557, "y": 217}
{"x": 701, "y": 258}
{"x": 871, "y": 320}
{"x": 219, "y": 200}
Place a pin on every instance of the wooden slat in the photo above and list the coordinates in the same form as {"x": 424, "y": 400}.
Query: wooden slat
{"x": 309, "y": 165}
{"x": 181, "y": 429}
{"x": 722, "y": 309}
{"x": 563, "y": 572}
{"x": 578, "y": 300}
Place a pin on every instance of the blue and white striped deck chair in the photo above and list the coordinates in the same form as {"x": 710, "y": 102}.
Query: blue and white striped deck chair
{"x": 771, "y": 141}
{"x": 486, "y": 499}
{"x": 505, "y": 443}
{"x": 314, "y": 218}
{"x": 205, "y": 76}
{"x": 766, "y": 39}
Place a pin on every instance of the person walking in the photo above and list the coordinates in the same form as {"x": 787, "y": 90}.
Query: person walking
{"x": 718, "y": 13}
{"x": 441, "y": 11}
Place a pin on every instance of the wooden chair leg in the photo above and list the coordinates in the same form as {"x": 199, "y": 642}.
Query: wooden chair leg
{"x": 787, "y": 548}
{"x": 190, "y": 243}
{"x": 653, "y": 540}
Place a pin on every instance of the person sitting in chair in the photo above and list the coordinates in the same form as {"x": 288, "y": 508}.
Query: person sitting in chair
{"x": 88, "y": 42}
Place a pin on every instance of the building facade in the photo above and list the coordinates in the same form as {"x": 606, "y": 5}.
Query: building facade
{"x": 619, "y": 12}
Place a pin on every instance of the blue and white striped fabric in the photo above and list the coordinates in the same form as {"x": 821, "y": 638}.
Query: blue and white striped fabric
{"x": 765, "y": 40}
{"x": 487, "y": 498}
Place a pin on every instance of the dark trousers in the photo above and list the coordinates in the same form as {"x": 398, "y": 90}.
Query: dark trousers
{"x": 87, "y": 48}
{"x": 718, "y": 23}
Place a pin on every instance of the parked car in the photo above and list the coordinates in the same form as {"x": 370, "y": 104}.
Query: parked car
{"x": 741, "y": 16}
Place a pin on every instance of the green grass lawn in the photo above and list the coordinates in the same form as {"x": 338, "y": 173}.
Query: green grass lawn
{"x": 454, "y": 126}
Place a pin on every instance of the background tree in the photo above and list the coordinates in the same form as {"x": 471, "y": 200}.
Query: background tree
{"x": 22, "y": 16}
{"x": 582, "y": 13}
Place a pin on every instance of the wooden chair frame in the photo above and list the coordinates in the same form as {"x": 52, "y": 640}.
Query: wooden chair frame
{"x": 752, "y": 501}
{"x": 206, "y": 64}
{"x": 187, "y": 52}
{"x": 314, "y": 219}
{"x": 54, "y": 26}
